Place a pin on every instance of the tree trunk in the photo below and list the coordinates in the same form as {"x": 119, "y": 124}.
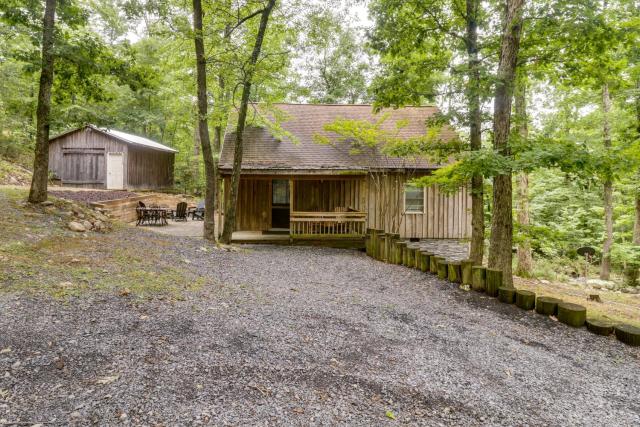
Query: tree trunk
{"x": 500, "y": 256}
{"x": 210, "y": 170}
{"x": 38, "y": 191}
{"x": 525, "y": 261}
{"x": 230, "y": 214}
{"x": 476, "y": 249}
{"x": 605, "y": 267}
{"x": 632, "y": 273}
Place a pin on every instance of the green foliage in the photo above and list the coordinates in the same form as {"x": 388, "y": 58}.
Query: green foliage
{"x": 335, "y": 66}
{"x": 367, "y": 139}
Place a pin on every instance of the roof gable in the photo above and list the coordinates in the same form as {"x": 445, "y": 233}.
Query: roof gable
{"x": 263, "y": 151}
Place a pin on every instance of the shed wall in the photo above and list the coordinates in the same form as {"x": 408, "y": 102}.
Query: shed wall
{"x": 149, "y": 169}
{"x": 79, "y": 158}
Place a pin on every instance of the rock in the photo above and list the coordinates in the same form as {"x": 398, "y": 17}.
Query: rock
{"x": 76, "y": 226}
{"x": 546, "y": 282}
{"x": 75, "y": 415}
{"x": 98, "y": 225}
{"x": 595, "y": 297}
{"x": 46, "y": 203}
{"x": 16, "y": 364}
{"x": 87, "y": 225}
{"x": 99, "y": 216}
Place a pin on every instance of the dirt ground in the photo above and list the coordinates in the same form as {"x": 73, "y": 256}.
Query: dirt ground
{"x": 138, "y": 328}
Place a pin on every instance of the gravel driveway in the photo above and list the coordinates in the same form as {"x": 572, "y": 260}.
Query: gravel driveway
{"x": 305, "y": 336}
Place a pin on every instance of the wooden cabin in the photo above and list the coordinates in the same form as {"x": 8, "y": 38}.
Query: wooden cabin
{"x": 309, "y": 191}
{"x": 94, "y": 157}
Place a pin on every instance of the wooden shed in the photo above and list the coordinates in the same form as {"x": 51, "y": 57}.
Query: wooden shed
{"x": 94, "y": 157}
{"x": 317, "y": 191}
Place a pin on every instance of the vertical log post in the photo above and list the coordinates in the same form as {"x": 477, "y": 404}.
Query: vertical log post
{"x": 494, "y": 281}
{"x": 388, "y": 247}
{"x": 433, "y": 264}
{"x": 372, "y": 242}
{"x": 443, "y": 269}
{"x": 455, "y": 272}
{"x": 410, "y": 258}
{"x": 424, "y": 260}
{"x": 401, "y": 249}
{"x": 418, "y": 257}
{"x": 382, "y": 238}
{"x": 478, "y": 278}
{"x": 467, "y": 277}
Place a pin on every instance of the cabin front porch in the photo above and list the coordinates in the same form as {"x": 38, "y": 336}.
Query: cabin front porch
{"x": 300, "y": 209}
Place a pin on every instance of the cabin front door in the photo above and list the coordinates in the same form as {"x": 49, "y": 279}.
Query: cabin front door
{"x": 115, "y": 171}
{"x": 280, "y": 203}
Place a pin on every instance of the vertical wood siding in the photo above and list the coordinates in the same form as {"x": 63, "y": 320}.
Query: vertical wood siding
{"x": 327, "y": 195}
{"x": 445, "y": 216}
{"x": 254, "y": 205}
{"x": 149, "y": 168}
{"x": 79, "y": 159}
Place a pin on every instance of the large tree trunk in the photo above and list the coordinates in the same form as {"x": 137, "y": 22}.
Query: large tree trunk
{"x": 500, "y": 256}
{"x": 605, "y": 267}
{"x": 38, "y": 191}
{"x": 525, "y": 260}
{"x": 632, "y": 273}
{"x": 230, "y": 214}
{"x": 210, "y": 170}
{"x": 476, "y": 249}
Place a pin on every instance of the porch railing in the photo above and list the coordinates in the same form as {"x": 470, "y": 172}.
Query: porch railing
{"x": 328, "y": 224}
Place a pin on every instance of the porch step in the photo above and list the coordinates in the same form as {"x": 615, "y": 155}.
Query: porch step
{"x": 284, "y": 231}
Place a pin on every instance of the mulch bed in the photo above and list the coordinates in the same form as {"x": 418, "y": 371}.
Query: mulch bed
{"x": 92, "y": 196}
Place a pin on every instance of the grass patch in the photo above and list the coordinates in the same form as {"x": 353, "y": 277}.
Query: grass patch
{"x": 40, "y": 256}
{"x": 617, "y": 308}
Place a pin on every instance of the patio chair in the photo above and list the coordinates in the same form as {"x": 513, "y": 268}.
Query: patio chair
{"x": 181, "y": 212}
{"x": 198, "y": 213}
{"x": 142, "y": 216}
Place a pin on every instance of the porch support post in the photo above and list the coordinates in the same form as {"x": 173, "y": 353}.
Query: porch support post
{"x": 291, "y": 199}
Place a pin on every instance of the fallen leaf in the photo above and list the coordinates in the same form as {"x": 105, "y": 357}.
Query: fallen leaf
{"x": 5, "y": 350}
{"x": 390, "y": 415}
{"x": 59, "y": 364}
{"x": 298, "y": 410}
{"x": 107, "y": 380}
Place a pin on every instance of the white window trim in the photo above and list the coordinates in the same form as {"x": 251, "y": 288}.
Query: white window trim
{"x": 404, "y": 201}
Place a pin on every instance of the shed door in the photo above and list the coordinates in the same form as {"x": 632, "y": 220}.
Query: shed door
{"x": 115, "y": 171}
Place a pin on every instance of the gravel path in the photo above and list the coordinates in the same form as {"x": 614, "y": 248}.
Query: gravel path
{"x": 305, "y": 336}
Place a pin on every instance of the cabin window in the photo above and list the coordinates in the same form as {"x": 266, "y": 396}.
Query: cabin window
{"x": 280, "y": 192}
{"x": 413, "y": 199}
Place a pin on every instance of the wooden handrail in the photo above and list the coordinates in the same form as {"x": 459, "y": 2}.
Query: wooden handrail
{"x": 328, "y": 224}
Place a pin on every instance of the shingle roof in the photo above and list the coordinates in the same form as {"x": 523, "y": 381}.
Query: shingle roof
{"x": 263, "y": 151}
{"x": 127, "y": 138}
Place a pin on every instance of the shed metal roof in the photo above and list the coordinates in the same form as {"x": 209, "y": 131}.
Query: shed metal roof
{"x": 127, "y": 138}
